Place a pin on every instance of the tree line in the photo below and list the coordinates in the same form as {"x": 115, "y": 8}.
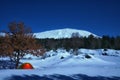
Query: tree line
{"x": 77, "y": 42}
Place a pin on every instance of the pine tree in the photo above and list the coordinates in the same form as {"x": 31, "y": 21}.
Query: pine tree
{"x": 117, "y": 42}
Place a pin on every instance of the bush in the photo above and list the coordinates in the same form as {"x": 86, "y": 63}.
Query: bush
{"x": 88, "y": 56}
{"x": 105, "y": 49}
{"x": 62, "y": 57}
{"x": 105, "y": 54}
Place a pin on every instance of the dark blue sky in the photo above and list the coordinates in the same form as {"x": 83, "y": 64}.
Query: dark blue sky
{"x": 101, "y": 17}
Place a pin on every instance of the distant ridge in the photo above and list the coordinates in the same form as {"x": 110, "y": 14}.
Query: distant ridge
{"x": 63, "y": 33}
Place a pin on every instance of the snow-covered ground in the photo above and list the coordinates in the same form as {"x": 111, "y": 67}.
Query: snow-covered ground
{"x": 63, "y": 62}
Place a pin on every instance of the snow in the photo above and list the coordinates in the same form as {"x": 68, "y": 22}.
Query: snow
{"x": 2, "y": 34}
{"x": 62, "y": 33}
{"x": 62, "y": 62}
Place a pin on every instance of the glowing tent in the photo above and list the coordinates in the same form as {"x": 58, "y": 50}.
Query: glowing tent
{"x": 26, "y": 66}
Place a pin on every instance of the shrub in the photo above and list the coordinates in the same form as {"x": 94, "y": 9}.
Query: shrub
{"x": 88, "y": 56}
{"x": 62, "y": 57}
{"x": 105, "y": 54}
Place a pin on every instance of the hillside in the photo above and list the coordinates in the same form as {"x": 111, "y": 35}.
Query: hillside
{"x": 62, "y": 33}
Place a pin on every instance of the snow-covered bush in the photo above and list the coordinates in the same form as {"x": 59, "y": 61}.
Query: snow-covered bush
{"x": 62, "y": 57}
{"x": 49, "y": 54}
{"x": 87, "y": 56}
{"x": 105, "y": 54}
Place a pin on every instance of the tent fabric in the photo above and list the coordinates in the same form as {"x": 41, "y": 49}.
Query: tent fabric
{"x": 26, "y": 66}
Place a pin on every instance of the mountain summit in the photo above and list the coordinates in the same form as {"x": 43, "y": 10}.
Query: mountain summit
{"x": 63, "y": 33}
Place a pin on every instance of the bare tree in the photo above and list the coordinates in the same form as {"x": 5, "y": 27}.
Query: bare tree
{"x": 18, "y": 42}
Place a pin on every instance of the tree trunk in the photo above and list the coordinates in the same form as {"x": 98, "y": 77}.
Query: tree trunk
{"x": 17, "y": 63}
{"x": 17, "y": 60}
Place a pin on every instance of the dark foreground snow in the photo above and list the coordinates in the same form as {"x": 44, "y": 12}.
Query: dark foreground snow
{"x": 60, "y": 77}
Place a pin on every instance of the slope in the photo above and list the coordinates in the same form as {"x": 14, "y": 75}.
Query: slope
{"x": 63, "y": 33}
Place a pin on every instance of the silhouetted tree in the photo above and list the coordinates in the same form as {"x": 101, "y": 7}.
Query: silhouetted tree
{"x": 91, "y": 41}
{"x": 98, "y": 43}
{"x": 117, "y": 42}
{"x": 105, "y": 41}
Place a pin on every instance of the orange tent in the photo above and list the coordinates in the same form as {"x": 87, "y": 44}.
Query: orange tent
{"x": 26, "y": 66}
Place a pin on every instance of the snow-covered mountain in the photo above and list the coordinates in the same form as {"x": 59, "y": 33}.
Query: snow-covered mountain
{"x": 63, "y": 33}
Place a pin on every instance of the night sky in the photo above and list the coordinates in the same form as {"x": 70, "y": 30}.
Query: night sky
{"x": 101, "y": 17}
